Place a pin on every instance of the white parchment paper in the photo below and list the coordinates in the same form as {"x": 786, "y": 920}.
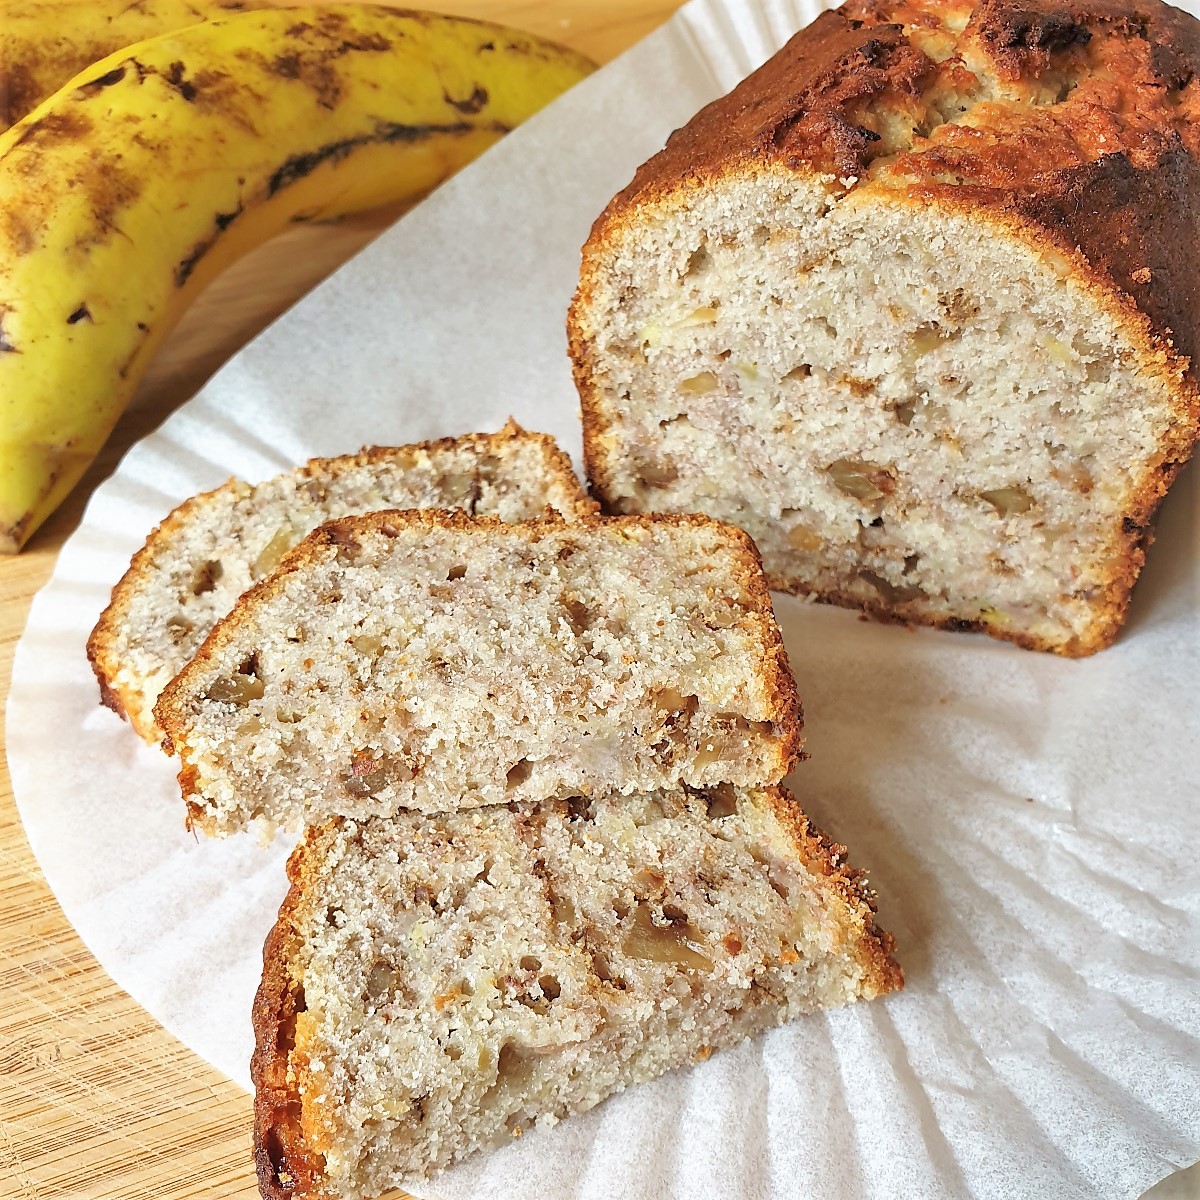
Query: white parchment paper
{"x": 1031, "y": 824}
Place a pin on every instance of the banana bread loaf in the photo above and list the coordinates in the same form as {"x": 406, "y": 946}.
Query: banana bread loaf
{"x": 416, "y": 659}
{"x": 439, "y": 984}
{"x": 917, "y": 306}
{"x": 214, "y": 546}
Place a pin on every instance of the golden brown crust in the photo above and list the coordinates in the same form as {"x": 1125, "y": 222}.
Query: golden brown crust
{"x": 1110, "y": 169}
{"x": 288, "y": 1168}
{"x": 1132, "y": 534}
{"x": 1109, "y": 172}
{"x": 342, "y": 537}
{"x": 1085, "y": 144}
{"x": 103, "y": 647}
{"x": 873, "y": 946}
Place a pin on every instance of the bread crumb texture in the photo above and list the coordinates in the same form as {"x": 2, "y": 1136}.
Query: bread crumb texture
{"x": 916, "y": 306}
{"x": 438, "y": 985}
{"x": 411, "y": 660}
{"x": 197, "y": 563}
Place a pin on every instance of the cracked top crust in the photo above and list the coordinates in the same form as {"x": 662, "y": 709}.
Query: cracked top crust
{"x": 1073, "y": 123}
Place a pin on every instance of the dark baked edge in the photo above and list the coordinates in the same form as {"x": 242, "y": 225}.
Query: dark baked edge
{"x": 824, "y": 857}
{"x": 287, "y": 1168}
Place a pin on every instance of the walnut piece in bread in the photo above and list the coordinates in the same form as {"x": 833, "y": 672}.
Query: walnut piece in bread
{"x": 916, "y": 306}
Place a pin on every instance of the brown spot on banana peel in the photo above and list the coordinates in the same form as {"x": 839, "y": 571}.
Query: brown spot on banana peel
{"x": 175, "y": 78}
{"x": 143, "y": 332}
{"x": 299, "y": 166}
{"x": 386, "y": 132}
{"x": 194, "y": 89}
{"x": 474, "y": 103}
{"x": 82, "y": 313}
{"x": 367, "y": 43}
{"x": 323, "y": 81}
{"x": 222, "y": 221}
{"x": 92, "y": 86}
{"x": 183, "y": 272}
{"x": 16, "y": 234}
{"x": 109, "y": 191}
{"x": 14, "y": 535}
{"x": 310, "y": 65}
{"x": 20, "y": 92}
{"x": 287, "y": 65}
{"x": 66, "y": 126}
{"x": 7, "y": 346}
{"x": 212, "y": 88}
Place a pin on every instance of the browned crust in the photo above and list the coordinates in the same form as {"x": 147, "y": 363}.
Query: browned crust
{"x": 1128, "y": 211}
{"x": 102, "y": 641}
{"x": 1134, "y": 530}
{"x": 871, "y": 945}
{"x": 288, "y": 1168}
{"x": 786, "y": 715}
{"x": 1127, "y": 221}
{"x": 103, "y": 647}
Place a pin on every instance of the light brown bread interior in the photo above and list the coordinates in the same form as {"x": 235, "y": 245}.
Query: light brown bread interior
{"x": 436, "y": 985}
{"x": 411, "y": 660}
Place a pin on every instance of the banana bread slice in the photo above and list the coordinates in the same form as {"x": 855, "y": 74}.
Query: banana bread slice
{"x": 396, "y": 660}
{"x": 436, "y": 985}
{"x": 216, "y": 545}
{"x": 916, "y": 306}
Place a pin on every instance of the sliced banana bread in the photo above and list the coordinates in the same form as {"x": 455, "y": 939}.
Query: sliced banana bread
{"x": 216, "y": 545}
{"x": 916, "y": 305}
{"x": 408, "y": 660}
{"x": 439, "y": 984}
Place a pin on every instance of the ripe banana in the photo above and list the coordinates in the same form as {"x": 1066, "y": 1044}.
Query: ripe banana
{"x": 133, "y": 186}
{"x": 44, "y": 43}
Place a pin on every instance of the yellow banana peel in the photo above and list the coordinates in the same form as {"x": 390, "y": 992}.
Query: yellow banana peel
{"x": 130, "y": 188}
{"x": 45, "y": 43}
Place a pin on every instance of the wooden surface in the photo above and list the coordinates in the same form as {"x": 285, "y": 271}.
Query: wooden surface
{"x": 97, "y": 1101}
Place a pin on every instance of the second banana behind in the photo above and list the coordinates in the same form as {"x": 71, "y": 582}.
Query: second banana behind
{"x": 129, "y": 189}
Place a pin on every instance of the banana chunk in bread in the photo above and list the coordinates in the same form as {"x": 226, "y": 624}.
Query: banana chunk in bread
{"x": 213, "y": 547}
{"x": 915, "y": 305}
{"x": 408, "y": 660}
{"x": 438, "y": 985}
